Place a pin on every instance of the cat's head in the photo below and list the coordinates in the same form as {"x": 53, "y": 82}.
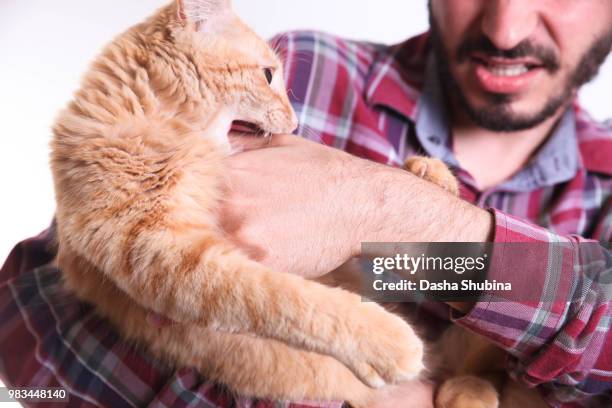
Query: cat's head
{"x": 245, "y": 73}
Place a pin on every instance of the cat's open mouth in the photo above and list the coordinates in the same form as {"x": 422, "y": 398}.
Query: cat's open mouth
{"x": 247, "y": 128}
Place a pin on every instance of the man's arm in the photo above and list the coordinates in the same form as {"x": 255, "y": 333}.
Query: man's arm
{"x": 333, "y": 202}
{"x": 410, "y": 209}
{"x": 413, "y": 210}
{"x": 306, "y": 208}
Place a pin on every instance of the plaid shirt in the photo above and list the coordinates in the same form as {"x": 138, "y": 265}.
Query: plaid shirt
{"x": 377, "y": 102}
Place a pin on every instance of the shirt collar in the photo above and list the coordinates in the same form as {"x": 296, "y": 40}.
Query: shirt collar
{"x": 396, "y": 76}
{"x": 594, "y": 141}
{"x": 431, "y": 118}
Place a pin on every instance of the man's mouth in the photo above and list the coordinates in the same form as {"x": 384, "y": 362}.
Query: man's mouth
{"x": 241, "y": 127}
{"x": 503, "y": 75}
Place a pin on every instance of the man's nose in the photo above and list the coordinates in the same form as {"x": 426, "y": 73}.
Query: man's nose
{"x": 508, "y": 22}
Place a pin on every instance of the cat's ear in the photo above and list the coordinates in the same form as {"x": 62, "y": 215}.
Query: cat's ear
{"x": 203, "y": 13}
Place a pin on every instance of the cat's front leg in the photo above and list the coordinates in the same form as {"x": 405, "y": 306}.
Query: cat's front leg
{"x": 378, "y": 347}
{"x": 268, "y": 369}
{"x": 388, "y": 350}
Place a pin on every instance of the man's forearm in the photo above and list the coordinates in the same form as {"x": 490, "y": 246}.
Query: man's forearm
{"x": 405, "y": 208}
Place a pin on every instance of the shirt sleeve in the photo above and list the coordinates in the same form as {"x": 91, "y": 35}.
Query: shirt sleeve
{"x": 556, "y": 323}
{"x": 50, "y": 339}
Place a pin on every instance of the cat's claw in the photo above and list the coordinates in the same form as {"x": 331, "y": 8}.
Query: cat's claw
{"x": 373, "y": 380}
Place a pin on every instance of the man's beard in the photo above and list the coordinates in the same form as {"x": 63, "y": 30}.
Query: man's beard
{"x": 498, "y": 115}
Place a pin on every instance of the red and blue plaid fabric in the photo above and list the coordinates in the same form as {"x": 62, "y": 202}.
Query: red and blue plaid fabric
{"x": 380, "y": 103}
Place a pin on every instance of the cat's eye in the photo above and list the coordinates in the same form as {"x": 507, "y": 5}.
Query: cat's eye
{"x": 269, "y": 73}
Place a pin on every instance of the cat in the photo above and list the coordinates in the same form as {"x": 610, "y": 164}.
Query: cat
{"x": 138, "y": 162}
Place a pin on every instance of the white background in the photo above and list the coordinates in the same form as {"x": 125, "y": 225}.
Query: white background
{"x": 45, "y": 46}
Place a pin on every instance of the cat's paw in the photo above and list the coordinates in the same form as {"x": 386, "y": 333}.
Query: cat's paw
{"x": 387, "y": 350}
{"x": 433, "y": 170}
{"x": 467, "y": 392}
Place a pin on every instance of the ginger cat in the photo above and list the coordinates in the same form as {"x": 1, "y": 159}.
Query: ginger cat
{"x": 138, "y": 161}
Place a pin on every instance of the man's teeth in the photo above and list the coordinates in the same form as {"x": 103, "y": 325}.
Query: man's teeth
{"x": 508, "y": 70}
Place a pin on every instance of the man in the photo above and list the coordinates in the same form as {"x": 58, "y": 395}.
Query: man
{"x": 490, "y": 90}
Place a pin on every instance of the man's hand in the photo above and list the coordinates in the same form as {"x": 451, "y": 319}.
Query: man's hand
{"x": 305, "y": 208}
{"x": 296, "y": 206}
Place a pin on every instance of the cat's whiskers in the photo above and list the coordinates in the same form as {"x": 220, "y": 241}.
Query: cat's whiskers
{"x": 310, "y": 133}
{"x": 277, "y": 47}
{"x": 292, "y": 94}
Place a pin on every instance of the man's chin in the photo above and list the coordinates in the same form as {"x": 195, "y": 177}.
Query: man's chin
{"x": 510, "y": 112}
{"x": 502, "y": 117}
{"x": 506, "y": 112}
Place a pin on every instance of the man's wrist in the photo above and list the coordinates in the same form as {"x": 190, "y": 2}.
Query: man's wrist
{"x": 405, "y": 208}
